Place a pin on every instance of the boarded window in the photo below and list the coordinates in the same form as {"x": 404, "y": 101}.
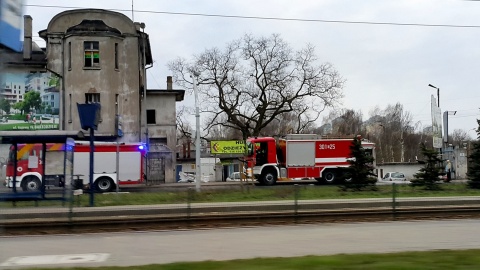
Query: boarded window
{"x": 92, "y": 98}
{"x": 69, "y": 55}
{"x": 151, "y": 117}
{"x": 116, "y": 55}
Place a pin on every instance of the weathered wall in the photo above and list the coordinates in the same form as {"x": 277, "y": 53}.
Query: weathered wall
{"x": 106, "y": 79}
{"x": 409, "y": 169}
{"x": 165, "y": 127}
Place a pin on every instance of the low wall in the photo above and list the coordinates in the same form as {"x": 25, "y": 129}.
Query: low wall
{"x": 409, "y": 169}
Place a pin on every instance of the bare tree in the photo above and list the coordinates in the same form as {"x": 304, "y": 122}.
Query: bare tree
{"x": 393, "y": 131}
{"x": 459, "y": 136}
{"x": 345, "y": 122}
{"x": 255, "y": 81}
{"x": 184, "y": 128}
{"x": 350, "y": 123}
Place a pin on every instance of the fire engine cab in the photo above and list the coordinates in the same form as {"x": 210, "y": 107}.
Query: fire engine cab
{"x": 300, "y": 156}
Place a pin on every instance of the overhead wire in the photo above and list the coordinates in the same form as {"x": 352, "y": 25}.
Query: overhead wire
{"x": 269, "y": 18}
{"x": 277, "y": 19}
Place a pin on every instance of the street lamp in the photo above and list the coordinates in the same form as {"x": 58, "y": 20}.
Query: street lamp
{"x": 445, "y": 123}
{"x": 438, "y": 94}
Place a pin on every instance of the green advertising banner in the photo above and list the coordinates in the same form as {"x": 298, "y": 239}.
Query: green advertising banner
{"x": 227, "y": 147}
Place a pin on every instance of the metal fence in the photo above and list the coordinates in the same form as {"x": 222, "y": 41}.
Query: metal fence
{"x": 238, "y": 204}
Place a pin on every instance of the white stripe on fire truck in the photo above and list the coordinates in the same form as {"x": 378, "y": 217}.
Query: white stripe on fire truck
{"x": 330, "y": 160}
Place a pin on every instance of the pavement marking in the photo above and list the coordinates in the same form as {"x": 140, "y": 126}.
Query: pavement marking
{"x": 56, "y": 259}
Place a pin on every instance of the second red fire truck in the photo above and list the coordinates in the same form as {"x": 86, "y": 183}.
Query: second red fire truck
{"x": 300, "y": 156}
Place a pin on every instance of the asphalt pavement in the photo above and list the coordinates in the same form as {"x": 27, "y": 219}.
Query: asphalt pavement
{"x": 160, "y": 247}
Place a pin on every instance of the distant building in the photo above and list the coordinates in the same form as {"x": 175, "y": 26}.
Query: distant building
{"x": 12, "y": 90}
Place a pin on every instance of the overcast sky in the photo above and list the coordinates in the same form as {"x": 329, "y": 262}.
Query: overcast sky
{"x": 388, "y": 51}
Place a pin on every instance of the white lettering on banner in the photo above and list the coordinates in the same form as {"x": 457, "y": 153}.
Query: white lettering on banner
{"x": 326, "y": 146}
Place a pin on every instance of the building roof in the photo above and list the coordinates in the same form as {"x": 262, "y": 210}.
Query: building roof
{"x": 90, "y": 26}
{"x": 13, "y": 58}
{"x": 179, "y": 93}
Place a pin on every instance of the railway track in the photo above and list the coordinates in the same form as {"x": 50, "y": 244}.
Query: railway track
{"x": 205, "y": 216}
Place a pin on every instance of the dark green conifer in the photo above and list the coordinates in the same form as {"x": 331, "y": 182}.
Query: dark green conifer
{"x": 428, "y": 176}
{"x": 473, "y": 174}
{"x": 359, "y": 175}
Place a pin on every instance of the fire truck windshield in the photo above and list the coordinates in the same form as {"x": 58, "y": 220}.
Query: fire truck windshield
{"x": 250, "y": 148}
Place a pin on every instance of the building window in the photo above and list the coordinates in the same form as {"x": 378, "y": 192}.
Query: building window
{"x": 92, "y": 53}
{"x": 52, "y": 97}
{"x": 70, "y": 108}
{"x": 92, "y": 98}
{"x": 69, "y": 55}
{"x": 151, "y": 117}
{"x": 116, "y": 55}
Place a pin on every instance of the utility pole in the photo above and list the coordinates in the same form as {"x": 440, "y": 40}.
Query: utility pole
{"x": 198, "y": 171}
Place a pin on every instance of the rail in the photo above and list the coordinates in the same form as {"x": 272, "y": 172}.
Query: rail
{"x": 192, "y": 213}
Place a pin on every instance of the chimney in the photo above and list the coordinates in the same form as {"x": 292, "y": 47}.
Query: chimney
{"x": 27, "y": 37}
{"x": 169, "y": 82}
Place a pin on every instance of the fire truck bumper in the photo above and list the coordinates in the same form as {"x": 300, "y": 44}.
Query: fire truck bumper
{"x": 9, "y": 182}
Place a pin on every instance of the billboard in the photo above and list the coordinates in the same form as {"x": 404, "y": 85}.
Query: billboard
{"x": 227, "y": 147}
{"x": 29, "y": 101}
{"x": 436, "y": 124}
{"x": 11, "y": 24}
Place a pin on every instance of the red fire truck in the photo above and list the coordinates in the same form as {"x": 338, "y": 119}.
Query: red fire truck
{"x": 29, "y": 169}
{"x": 300, "y": 156}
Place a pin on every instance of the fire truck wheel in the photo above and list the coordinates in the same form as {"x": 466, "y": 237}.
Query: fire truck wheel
{"x": 330, "y": 177}
{"x": 31, "y": 183}
{"x": 104, "y": 184}
{"x": 269, "y": 178}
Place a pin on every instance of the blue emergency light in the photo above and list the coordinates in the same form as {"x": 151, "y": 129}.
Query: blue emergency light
{"x": 142, "y": 147}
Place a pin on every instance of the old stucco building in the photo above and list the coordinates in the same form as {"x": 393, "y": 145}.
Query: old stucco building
{"x": 102, "y": 56}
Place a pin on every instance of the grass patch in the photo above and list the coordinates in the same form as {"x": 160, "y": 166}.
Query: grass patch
{"x": 432, "y": 260}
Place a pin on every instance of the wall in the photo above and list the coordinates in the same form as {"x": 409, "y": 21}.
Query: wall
{"x": 459, "y": 166}
{"x": 164, "y": 129}
{"x": 106, "y": 80}
{"x": 210, "y": 169}
{"x": 409, "y": 169}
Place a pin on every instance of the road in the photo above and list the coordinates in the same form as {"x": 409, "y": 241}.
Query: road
{"x": 140, "y": 248}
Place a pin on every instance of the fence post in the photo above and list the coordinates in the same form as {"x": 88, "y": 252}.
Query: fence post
{"x": 394, "y": 195}
{"x": 189, "y": 201}
{"x": 70, "y": 207}
{"x": 296, "y": 195}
